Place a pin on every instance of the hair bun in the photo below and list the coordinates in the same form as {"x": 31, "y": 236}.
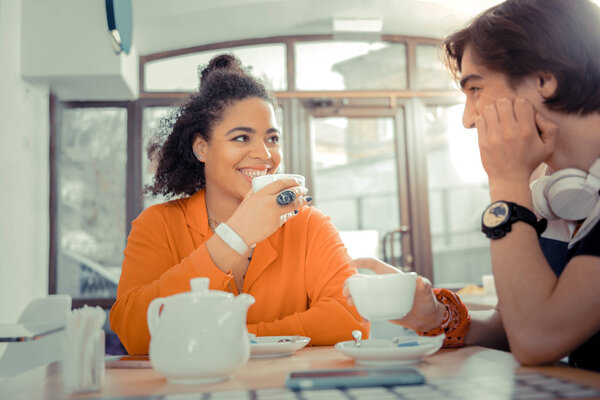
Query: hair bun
{"x": 224, "y": 62}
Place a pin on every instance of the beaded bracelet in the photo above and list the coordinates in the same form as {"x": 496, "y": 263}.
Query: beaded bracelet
{"x": 456, "y": 320}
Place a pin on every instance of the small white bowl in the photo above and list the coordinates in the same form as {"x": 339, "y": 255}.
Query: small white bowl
{"x": 383, "y": 297}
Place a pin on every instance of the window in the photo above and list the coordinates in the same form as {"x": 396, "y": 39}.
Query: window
{"x": 90, "y": 200}
{"x": 356, "y": 178}
{"x": 151, "y": 119}
{"x": 180, "y": 73}
{"x": 431, "y": 72}
{"x": 350, "y": 66}
{"x": 458, "y": 193}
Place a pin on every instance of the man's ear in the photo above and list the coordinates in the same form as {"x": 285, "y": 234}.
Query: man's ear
{"x": 199, "y": 148}
{"x": 546, "y": 84}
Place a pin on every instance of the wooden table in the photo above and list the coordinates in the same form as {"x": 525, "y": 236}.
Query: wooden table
{"x": 468, "y": 362}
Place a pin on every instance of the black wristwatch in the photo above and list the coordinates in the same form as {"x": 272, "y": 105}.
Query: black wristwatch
{"x": 498, "y": 217}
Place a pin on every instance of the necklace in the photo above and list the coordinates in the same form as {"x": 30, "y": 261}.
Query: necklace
{"x": 213, "y": 223}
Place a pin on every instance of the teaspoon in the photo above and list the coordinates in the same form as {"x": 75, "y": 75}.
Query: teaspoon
{"x": 357, "y": 335}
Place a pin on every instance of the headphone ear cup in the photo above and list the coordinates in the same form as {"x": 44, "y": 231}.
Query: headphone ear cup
{"x": 539, "y": 197}
{"x": 570, "y": 198}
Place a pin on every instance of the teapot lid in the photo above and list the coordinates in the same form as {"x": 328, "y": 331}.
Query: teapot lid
{"x": 199, "y": 288}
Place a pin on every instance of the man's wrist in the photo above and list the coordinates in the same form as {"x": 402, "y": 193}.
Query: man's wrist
{"x": 515, "y": 191}
{"x": 437, "y": 320}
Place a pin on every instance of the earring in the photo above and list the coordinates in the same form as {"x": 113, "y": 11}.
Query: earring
{"x": 199, "y": 157}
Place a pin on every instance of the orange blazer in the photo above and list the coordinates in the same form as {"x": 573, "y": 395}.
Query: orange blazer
{"x": 296, "y": 275}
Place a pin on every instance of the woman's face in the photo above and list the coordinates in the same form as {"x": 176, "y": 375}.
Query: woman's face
{"x": 245, "y": 144}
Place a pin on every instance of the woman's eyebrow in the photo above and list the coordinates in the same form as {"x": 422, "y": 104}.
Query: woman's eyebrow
{"x": 241, "y": 128}
{"x": 249, "y": 130}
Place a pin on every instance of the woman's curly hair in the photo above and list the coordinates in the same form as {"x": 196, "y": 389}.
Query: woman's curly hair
{"x": 223, "y": 82}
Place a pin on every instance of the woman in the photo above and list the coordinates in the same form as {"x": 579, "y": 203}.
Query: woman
{"x": 223, "y": 137}
{"x": 530, "y": 70}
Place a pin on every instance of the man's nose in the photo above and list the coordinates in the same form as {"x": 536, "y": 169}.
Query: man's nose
{"x": 469, "y": 115}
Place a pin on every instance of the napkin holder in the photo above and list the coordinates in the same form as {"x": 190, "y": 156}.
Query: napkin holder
{"x": 83, "y": 347}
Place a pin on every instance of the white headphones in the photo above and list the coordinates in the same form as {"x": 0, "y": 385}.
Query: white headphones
{"x": 569, "y": 194}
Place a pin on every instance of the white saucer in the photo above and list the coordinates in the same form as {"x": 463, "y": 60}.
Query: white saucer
{"x": 384, "y": 352}
{"x": 276, "y": 346}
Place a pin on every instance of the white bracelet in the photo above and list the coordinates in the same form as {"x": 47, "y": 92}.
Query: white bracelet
{"x": 231, "y": 238}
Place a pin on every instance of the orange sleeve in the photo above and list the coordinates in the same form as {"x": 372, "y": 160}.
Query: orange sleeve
{"x": 151, "y": 269}
{"x": 329, "y": 318}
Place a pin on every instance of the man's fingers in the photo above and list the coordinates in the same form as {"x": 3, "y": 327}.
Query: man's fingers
{"x": 423, "y": 283}
{"x": 506, "y": 112}
{"x": 524, "y": 114}
{"x": 490, "y": 113}
{"x": 548, "y": 130}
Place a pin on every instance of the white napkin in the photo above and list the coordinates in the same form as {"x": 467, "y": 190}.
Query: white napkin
{"x": 83, "y": 350}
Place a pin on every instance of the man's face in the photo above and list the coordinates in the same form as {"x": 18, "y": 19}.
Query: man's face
{"x": 483, "y": 86}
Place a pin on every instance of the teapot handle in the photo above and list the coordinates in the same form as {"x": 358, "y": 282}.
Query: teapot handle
{"x": 153, "y": 314}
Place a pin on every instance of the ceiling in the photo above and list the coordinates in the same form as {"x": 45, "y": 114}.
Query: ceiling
{"x": 168, "y": 24}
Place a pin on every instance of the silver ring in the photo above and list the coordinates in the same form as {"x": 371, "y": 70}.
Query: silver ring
{"x": 286, "y": 197}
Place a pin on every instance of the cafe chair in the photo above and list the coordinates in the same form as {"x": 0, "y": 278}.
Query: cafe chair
{"x": 37, "y": 338}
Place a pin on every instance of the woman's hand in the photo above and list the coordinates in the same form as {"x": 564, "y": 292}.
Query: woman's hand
{"x": 426, "y": 313}
{"x": 513, "y": 139}
{"x": 259, "y": 214}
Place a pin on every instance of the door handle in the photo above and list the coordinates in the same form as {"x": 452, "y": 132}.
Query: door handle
{"x": 403, "y": 229}
{"x": 389, "y": 238}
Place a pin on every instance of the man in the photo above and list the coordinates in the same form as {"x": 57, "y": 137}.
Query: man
{"x": 530, "y": 70}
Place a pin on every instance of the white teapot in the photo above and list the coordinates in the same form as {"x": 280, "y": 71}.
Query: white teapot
{"x": 199, "y": 336}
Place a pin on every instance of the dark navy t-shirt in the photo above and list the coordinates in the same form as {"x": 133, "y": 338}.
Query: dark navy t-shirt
{"x": 558, "y": 255}
{"x": 588, "y": 354}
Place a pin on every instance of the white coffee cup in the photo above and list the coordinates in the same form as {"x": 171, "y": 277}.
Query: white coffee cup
{"x": 261, "y": 181}
{"x": 383, "y": 297}
{"x": 489, "y": 287}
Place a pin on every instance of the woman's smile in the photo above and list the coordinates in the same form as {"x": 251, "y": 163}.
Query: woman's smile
{"x": 250, "y": 173}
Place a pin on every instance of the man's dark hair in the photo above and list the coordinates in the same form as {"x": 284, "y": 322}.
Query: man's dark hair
{"x": 223, "y": 82}
{"x": 521, "y": 37}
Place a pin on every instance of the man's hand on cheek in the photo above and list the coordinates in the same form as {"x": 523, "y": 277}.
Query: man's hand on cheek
{"x": 509, "y": 139}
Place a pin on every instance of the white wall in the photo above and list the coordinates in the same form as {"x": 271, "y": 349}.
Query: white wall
{"x": 24, "y": 175}
{"x": 66, "y": 44}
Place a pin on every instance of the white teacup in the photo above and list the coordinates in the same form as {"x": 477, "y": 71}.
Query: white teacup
{"x": 383, "y": 297}
{"x": 261, "y": 181}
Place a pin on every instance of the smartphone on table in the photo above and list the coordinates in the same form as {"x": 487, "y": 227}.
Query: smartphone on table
{"x": 353, "y": 377}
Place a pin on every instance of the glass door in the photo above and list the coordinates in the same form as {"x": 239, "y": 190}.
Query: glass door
{"x": 458, "y": 192}
{"x": 358, "y": 178}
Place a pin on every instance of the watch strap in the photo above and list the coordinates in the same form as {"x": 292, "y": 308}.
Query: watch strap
{"x": 231, "y": 238}
{"x": 526, "y": 215}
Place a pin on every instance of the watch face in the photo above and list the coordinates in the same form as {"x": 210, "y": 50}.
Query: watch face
{"x": 495, "y": 214}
